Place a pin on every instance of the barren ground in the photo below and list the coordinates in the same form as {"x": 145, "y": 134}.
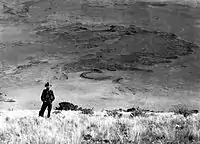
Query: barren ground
{"x": 101, "y": 54}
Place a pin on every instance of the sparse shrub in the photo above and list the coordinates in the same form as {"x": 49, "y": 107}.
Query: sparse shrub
{"x": 183, "y": 110}
{"x": 87, "y": 137}
{"x": 114, "y": 113}
{"x": 136, "y": 112}
{"x": 131, "y": 109}
{"x": 86, "y": 110}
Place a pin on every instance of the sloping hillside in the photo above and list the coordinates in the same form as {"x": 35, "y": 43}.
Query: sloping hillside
{"x": 101, "y": 54}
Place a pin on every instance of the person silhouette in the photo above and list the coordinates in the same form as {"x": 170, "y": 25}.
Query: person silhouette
{"x": 47, "y": 98}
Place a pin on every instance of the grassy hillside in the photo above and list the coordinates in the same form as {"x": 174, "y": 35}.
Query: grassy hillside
{"x": 73, "y": 127}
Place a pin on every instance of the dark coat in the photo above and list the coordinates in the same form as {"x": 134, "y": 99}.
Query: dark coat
{"x": 47, "y": 96}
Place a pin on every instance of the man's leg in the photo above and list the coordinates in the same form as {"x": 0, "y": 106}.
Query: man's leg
{"x": 49, "y": 110}
{"x": 42, "y": 110}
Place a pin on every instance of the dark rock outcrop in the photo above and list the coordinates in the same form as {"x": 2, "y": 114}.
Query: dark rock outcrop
{"x": 69, "y": 106}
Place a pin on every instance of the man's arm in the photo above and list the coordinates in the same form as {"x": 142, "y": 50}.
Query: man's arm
{"x": 52, "y": 96}
{"x": 43, "y": 95}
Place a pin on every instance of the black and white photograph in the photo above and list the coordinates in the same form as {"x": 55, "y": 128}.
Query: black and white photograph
{"x": 99, "y": 71}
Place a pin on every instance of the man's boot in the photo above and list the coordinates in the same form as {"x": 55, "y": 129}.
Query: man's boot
{"x": 41, "y": 114}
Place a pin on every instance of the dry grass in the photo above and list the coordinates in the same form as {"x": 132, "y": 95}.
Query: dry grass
{"x": 72, "y": 127}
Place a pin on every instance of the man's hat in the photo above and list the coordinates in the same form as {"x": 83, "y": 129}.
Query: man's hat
{"x": 47, "y": 84}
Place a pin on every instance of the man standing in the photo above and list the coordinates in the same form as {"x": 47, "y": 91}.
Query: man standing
{"x": 47, "y": 98}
